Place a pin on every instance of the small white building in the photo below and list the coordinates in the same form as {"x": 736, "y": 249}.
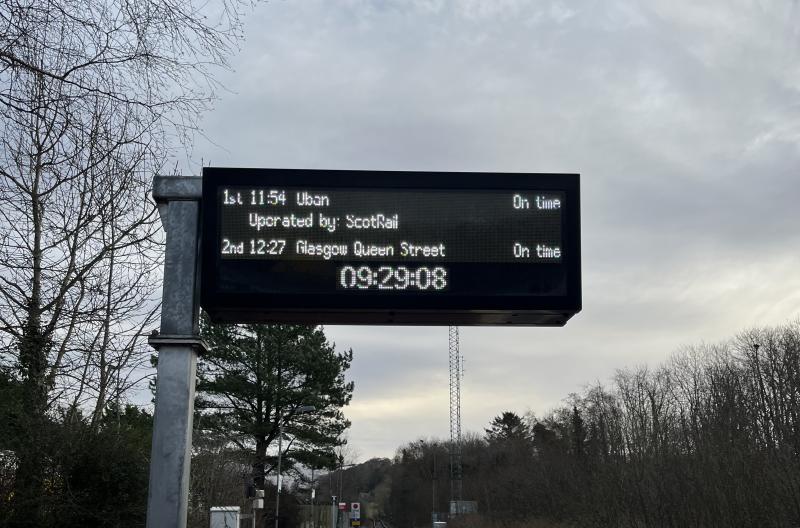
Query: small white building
{"x": 225, "y": 517}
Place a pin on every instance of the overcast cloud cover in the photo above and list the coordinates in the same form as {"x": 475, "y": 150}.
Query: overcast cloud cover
{"x": 682, "y": 117}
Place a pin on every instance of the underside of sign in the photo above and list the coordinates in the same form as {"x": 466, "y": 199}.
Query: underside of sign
{"x": 381, "y": 247}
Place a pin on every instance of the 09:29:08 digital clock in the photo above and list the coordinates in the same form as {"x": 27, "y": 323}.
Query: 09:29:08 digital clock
{"x": 392, "y": 278}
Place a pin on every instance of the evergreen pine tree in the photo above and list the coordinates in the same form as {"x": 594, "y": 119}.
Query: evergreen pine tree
{"x": 258, "y": 376}
{"x": 578, "y": 433}
{"x": 507, "y": 426}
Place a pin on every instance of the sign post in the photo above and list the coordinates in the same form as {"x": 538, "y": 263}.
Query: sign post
{"x": 355, "y": 514}
{"x": 178, "y": 344}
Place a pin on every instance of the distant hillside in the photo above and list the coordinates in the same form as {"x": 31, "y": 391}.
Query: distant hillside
{"x": 368, "y": 483}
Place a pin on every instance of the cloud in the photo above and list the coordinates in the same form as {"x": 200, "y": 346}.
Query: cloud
{"x": 683, "y": 119}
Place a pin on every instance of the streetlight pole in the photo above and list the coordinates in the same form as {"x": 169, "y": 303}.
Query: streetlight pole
{"x": 300, "y": 410}
{"x": 313, "y": 496}
{"x": 278, "y": 478}
{"x": 341, "y": 473}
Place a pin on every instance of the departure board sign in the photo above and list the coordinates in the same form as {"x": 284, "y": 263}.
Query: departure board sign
{"x": 376, "y": 247}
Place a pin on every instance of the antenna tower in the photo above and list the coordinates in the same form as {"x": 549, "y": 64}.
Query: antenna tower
{"x": 455, "y": 417}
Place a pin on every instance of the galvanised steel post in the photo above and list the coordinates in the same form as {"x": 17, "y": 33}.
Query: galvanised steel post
{"x": 178, "y": 343}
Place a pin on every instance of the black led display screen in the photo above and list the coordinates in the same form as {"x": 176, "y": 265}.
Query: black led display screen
{"x": 390, "y": 247}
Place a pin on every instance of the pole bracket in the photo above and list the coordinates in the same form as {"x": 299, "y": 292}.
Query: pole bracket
{"x": 157, "y": 340}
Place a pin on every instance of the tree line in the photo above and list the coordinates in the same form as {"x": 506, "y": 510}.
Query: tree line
{"x": 711, "y": 438}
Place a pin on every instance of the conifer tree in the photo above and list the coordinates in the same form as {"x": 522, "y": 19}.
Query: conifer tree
{"x": 257, "y": 376}
{"x": 507, "y": 426}
{"x": 578, "y": 433}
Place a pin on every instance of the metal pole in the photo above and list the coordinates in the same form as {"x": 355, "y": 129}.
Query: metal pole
{"x": 278, "y": 480}
{"x": 178, "y": 344}
{"x": 313, "y": 496}
{"x": 341, "y": 473}
{"x": 341, "y": 493}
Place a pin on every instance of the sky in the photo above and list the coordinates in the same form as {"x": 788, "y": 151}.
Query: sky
{"x": 682, "y": 118}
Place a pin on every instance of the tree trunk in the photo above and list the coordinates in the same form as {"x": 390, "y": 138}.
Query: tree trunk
{"x": 260, "y": 463}
{"x": 33, "y": 349}
{"x": 29, "y": 476}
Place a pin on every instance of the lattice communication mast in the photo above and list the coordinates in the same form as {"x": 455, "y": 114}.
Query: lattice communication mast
{"x": 455, "y": 417}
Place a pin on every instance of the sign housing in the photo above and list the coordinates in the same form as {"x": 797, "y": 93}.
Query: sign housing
{"x": 381, "y": 247}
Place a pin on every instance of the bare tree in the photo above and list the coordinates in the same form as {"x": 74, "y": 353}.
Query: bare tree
{"x": 709, "y": 439}
{"x": 94, "y": 97}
